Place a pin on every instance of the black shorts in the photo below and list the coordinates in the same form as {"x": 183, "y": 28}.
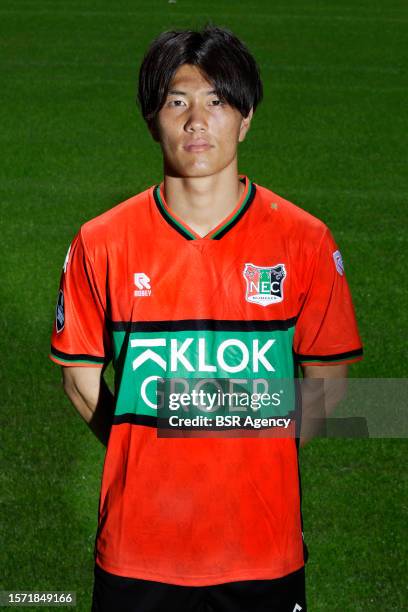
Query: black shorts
{"x": 112, "y": 593}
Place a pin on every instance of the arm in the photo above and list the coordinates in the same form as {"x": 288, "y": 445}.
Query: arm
{"x": 320, "y": 397}
{"x": 89, "y": 393}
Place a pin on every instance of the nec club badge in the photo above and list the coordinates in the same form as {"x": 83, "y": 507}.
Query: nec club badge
{"x": 264, "y": 285}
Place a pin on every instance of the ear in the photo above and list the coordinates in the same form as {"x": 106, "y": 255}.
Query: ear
{"x": 244, "y": 127}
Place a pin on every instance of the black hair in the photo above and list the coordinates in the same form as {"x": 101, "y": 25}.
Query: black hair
{"x": 223, "y": 59}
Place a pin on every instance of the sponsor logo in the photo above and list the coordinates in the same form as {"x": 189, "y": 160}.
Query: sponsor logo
{"x": 152, "y": 359}
{"x": 264, "y": 285}
{"x": 254, "y": 354}
{"x": 257, "y": 357}
{"x": 59, "y": 314}
{"x": 142, "y": 282}
{"x": 338, "y": 262}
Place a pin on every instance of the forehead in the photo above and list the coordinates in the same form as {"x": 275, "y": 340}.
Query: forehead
{"x": 190, "y": 77}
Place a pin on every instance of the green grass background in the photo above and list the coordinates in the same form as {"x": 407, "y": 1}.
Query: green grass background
{"x": 330, "y": 136}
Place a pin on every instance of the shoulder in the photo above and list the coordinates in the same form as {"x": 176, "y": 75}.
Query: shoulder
{"x": 111, "y": 225}
{"x": 290, "y": 217}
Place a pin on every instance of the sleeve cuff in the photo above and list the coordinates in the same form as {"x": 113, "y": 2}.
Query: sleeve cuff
{"x": 79, "y": 359}
{"x": 337, "y": 359}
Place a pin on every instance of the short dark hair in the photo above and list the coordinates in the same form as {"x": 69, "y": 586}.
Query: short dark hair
{"x": 222, "y": 58}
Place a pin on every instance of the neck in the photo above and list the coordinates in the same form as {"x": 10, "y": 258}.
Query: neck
{"x": 202, "y": 202}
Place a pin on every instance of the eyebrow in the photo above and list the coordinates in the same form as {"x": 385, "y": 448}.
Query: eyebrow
{"x": 177, "y": 92}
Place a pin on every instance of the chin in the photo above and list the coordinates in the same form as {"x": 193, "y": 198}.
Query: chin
{"x": 192, "y": 172}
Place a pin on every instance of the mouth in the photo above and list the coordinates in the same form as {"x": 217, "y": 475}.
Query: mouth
{"x": 196, "y": 146}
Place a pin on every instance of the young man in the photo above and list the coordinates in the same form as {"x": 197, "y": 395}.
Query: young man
{"x": 205, "y": 274}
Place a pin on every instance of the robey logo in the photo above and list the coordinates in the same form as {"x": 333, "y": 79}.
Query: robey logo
{"x": 142, "y": 282}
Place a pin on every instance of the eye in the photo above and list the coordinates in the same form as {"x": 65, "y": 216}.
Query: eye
{"x": 175, "y": 102}
{"x": 218, "y": 102}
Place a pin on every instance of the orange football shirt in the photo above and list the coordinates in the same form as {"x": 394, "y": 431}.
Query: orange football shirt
{"x": 261, "y": 293}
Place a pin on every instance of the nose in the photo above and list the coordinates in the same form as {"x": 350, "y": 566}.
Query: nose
{"x": 197, "y": 119}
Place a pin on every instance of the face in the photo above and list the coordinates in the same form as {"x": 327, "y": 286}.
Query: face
{"x": 198, "y": 132}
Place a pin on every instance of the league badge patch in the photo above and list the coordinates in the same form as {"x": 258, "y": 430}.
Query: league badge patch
{"x": 264, "y": 285}
{"x": 59, "y": 314}
{"x": 338, "y": 261}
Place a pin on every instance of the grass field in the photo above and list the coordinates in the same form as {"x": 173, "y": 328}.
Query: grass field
{"x": 330, "y": 135}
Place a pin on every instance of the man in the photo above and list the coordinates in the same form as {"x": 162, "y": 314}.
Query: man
{"x": 205, "y": 274}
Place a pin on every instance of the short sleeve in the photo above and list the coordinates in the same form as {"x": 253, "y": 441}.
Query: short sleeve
{"x": 326, "y": 331}
{"x": 80, "y": 336}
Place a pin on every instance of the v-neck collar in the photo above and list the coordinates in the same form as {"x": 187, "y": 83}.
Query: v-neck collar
{"x": 222, "y": 228}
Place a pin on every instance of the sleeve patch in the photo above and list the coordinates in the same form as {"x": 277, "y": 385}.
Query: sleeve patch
{"x": 59, "y": 314}
{"x": 338, "y": 262}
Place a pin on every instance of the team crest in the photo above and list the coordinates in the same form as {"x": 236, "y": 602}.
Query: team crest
{"x": 264, "y": 285}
